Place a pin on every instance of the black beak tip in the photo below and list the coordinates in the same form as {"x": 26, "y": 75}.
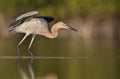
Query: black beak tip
{"x": 71, "y": 28}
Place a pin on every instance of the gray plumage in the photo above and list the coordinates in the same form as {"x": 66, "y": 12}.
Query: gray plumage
{"x": 26, "y": 17}
{"x": 28, "y": 14}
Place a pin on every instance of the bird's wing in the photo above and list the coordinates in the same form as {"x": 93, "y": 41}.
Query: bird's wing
{"x": 15, "y": 24}
{"x": 28, "y": 14}
{"x": 20, "y": 19}
{"x": 47, "y": 18}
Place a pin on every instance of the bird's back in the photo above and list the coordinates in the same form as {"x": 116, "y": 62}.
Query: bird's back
{"x": 42, "y": 24}
{"x": 29, "y": 23}
{"x": 20, "y": 19}
{"x": 32, "y": 26}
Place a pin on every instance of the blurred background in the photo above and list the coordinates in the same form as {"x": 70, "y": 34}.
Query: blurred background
{"x": 97, "y": 40}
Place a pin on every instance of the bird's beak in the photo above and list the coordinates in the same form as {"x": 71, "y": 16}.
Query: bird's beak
{"x": 71, "y": 28}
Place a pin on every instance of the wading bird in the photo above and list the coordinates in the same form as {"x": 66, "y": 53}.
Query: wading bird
{"x": 29, "y": 23}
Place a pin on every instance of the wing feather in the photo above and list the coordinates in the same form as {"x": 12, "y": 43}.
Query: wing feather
{"x": 28, "y": 14}
{"x": 20, "y": 19}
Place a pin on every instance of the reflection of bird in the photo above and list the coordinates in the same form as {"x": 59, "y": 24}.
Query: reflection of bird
{"x": 28, "y": 23}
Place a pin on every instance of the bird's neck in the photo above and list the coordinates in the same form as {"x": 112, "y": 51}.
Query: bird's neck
{"x": 52, "y": 34}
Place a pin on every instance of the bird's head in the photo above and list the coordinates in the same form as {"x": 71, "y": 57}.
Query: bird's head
{"x": 65, "y": 26}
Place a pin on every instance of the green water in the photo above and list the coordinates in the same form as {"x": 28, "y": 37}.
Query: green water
{"x": 99, "y": 59}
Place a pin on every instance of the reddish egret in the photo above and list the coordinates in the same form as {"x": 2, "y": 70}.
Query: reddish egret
{"x": 28, "y": 23}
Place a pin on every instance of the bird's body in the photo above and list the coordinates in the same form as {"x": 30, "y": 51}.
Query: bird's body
{"x": 32, "y": 26}
{"x": 28, "y": 23}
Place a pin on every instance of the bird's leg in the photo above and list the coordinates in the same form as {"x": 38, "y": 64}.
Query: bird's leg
{"x": 19, "y": 54}
{"x": 31, "y": 69}
{"x": 20, "y": 44}
{"x": 33, "y": 37}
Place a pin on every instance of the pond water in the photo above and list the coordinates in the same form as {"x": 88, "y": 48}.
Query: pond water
{"x": 61, "y": 59}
